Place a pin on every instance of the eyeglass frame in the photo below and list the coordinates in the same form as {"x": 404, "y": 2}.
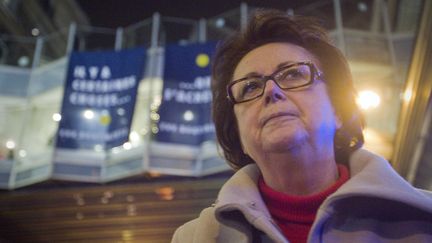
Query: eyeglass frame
{"x": 315, "y": 74}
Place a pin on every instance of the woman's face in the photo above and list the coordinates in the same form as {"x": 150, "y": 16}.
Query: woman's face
{"x": 283, "y": 121}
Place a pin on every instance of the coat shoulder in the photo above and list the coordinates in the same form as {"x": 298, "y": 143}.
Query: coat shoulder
{"x": 204, "y": 227}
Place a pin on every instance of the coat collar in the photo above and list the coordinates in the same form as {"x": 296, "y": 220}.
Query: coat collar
{"x": 240, "y": 204}
{"x": 370, "y": 176}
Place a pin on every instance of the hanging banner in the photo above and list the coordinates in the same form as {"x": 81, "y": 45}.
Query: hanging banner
{"x": 99, "y": 98}
{"x": 184, "y": 113}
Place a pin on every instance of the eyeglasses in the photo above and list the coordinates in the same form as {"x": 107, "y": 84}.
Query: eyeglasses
{"x": 289, "y": 77}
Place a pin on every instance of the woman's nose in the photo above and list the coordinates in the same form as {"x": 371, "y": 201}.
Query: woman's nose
{"x": 272, "y": 92}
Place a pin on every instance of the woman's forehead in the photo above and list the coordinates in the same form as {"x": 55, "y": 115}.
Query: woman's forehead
{"x": 265, "y": 59}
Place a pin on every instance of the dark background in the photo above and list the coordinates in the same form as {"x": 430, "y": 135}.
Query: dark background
{"x": 112, "y": 13}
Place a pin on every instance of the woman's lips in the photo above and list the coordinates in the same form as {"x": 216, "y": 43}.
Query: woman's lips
{"x": 274, "y": 116}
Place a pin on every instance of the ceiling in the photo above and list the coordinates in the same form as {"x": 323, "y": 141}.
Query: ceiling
{"x": 123, "y": 13}
{"x": 22, "y": 20}
{"x": 20, "y": 17}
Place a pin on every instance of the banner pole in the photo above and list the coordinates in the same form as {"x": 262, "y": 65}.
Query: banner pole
{"x": 118, "y": 39}
{"x": 71, "y": 38}
{"x": 202, "y": 31}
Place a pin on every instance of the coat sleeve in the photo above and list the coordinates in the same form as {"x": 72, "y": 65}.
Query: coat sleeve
{"x": 205, "y": 228}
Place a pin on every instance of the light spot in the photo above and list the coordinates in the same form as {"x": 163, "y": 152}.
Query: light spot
{"x": 202, "y": 60}
{"x": 368, "y": 100}
{"x": 88, "y": 114}
{"x": 10, "y": 144}
{"x": 188, "y": 115}
{"x": 56, "y": 117}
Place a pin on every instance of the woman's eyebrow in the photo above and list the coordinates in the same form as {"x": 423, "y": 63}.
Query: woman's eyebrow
{"x": 253, "y": 74}
{"x": 283, "y": 64}
{"x": 256, "y": 74}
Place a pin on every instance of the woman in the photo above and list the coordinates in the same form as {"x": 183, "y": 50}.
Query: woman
{"x": 287, "y": 121}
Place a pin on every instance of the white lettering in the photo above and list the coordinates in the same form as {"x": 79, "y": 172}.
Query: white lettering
{"x": 79, "y": 72}
{"x": 68, "y": 133}
{"x": 105, "y": 72}
{"x": 167, "y": 127}
{"x": 104, "y": 86}
{"x": 93, "y": 70}
{"x": 98, "y": 100}
{"x": 106, "y": 137}
{"x": 187, "y": 97}
{"x": 202, "y": 82}
{"x": 196, "y": 130}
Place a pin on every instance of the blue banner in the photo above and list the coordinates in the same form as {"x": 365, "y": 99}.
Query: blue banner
{"x": 99, "y": 98}
{"x": 184, "y": 113}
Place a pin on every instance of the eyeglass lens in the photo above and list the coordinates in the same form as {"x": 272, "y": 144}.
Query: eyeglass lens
{"x": 289, "y": 77}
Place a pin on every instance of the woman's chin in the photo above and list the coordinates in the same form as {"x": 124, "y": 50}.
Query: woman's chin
{"x": 283, "y": 142}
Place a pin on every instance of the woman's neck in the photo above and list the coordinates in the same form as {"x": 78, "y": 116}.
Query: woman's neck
{"x": 299, "y": 174}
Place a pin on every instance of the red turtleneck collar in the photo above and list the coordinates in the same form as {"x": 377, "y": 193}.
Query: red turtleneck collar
{"x": 295, "y": 214}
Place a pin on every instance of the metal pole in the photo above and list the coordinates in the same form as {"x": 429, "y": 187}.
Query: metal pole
{"x": 153, "y": 52}
{"x": 153, "y": 47}
{"x": 152, "y": 57}
{"x": 37, "y": 53}
{"x": 155, "y": 30}
{"x": 388, "y": 33}
{"x": 28, "y": 107}
{"x": 243, "y": 15}
{"x": 414, "y": 108}
{"x": 375, "y": 22}
{"x": 71, "y": 38}
{"x": 202, "y": 31}
{"x": 339, "y": 25}
{"x": 118, "y": 39}
{"x": 420, "y": 146}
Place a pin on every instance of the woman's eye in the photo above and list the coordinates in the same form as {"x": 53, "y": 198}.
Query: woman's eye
{"x": 293, "y": 74}
{"x": 250, "y": 87}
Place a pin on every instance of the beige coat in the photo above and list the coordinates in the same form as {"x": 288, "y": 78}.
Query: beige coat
{"x": 374, "y": 205}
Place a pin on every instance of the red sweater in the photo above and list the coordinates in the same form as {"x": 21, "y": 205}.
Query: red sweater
{"x": 295, "y": 214}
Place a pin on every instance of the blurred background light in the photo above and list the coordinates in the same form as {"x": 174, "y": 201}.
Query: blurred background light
{"x": 188, "y": 115}
{"x": 98, "y": 147}
{"x": 368, "y": 99}
{"x": 362, "y": 6}
{"x": 22, "y": 153}
{"x": 10, "y": 144}
{"x": 121, "y": 111}
{"x": 407, "y": 95}
{"x": 154, "y": 129}
{"x": 220, "y": 22}
{"x": 56, "y": 117}
{"x": 35, "y": 32}
{"x": 88, "y": 114}
{"x": 154, "y": 116}
{"x": 134, "y": 137}
{"x": 127, "y": 145}
{"x": 23, "y": 61}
